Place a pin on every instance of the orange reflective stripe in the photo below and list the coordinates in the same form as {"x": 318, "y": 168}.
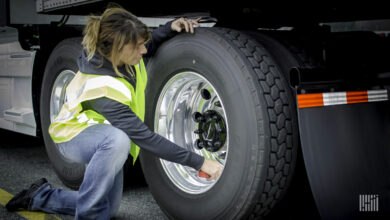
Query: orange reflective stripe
{"x": 310, "y": 100}
{"x": 357, "y": 97}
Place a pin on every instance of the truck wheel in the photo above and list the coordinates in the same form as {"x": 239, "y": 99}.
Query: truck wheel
{"x": 59, "y": 71}
{"x": 220, "y": 94}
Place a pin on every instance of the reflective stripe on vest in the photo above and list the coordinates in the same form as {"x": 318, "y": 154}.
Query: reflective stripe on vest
{"x": 72, "y": 119}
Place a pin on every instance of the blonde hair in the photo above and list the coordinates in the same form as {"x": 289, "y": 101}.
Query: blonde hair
{"x": 108, "y": 34}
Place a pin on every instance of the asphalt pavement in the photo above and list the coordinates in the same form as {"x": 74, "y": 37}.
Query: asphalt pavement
{"x": 23, "y": 160}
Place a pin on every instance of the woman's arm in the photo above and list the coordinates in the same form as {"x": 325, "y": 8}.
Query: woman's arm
{"x": 159, "y": 35}
{"x": 167, "y": 31}
{"x": 122, "y": 117}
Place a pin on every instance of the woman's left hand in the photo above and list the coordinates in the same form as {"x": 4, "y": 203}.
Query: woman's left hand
{"x": 186, "y": 24}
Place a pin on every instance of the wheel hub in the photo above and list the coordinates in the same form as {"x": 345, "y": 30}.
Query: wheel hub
{"x": 190, "y": 113}
{"x": 211, "y": 132}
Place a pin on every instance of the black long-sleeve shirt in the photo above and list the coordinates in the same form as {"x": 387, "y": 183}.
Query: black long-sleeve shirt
{"x": 122, "y": 117}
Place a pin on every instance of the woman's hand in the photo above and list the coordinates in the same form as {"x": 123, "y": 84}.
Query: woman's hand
{"x": 187, "y": 24}
{"x": 212, "y": 168}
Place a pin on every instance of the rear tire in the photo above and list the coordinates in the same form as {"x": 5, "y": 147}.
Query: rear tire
{"x": 288, "y": 54}
{"x": 260, "y": 112}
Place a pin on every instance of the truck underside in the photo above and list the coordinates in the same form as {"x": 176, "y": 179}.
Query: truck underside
{"x": 261, "y": 14}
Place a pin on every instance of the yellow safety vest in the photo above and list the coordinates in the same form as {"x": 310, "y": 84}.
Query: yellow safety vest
{"x": 72, "y": 119}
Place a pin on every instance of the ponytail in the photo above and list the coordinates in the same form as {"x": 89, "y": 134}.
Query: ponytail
{"x": 91, "y": 34}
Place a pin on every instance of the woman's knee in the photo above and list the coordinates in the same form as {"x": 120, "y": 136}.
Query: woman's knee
{"x": 118, "y": 140}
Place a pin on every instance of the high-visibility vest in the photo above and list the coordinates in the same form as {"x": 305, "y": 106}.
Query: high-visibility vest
{"x": 72, "y": 119}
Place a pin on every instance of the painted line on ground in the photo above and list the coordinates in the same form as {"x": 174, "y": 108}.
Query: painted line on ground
{"x": 6, "y": 196}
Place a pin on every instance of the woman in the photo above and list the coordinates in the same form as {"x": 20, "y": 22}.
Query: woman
{"x": 102, "y": 120}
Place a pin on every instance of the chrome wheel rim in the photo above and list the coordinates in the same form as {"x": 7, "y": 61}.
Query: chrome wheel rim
{"x": 181, "y": 97}
{"x": 58, "y": 93}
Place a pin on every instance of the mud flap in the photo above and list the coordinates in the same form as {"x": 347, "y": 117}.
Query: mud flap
{"x": 346, "y": 149}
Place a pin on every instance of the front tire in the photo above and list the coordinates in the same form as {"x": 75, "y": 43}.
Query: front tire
{"x": 258, "y": 110}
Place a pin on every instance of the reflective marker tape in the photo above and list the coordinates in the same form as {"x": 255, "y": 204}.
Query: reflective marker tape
{"x": 334, "y": 98}
{"x": 377, "y": 95}
{"x": 340, "y": 98}
{"x": 310, "y": 100}
{"x": 357, "y": 97}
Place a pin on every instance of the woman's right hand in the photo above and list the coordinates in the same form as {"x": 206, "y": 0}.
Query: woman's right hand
{"x": 212, "y": 168}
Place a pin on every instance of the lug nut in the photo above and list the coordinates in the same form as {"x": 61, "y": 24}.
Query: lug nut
{"x": 205, "y": 94}
{"x": 199, "y": 144}
{"x": 197, "y": 117}
{"x": 217, "y": 144}
{"x": 209, "y": 144}
{"x": 207, "y": 113}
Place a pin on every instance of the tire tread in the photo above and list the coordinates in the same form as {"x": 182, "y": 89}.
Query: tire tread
{"x": 279, "y": 114}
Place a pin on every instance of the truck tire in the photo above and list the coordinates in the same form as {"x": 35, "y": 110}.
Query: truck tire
{"x": 60, "y": 67}
{"x": 257, "y": 110}
{"x": 287, "y": 53}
